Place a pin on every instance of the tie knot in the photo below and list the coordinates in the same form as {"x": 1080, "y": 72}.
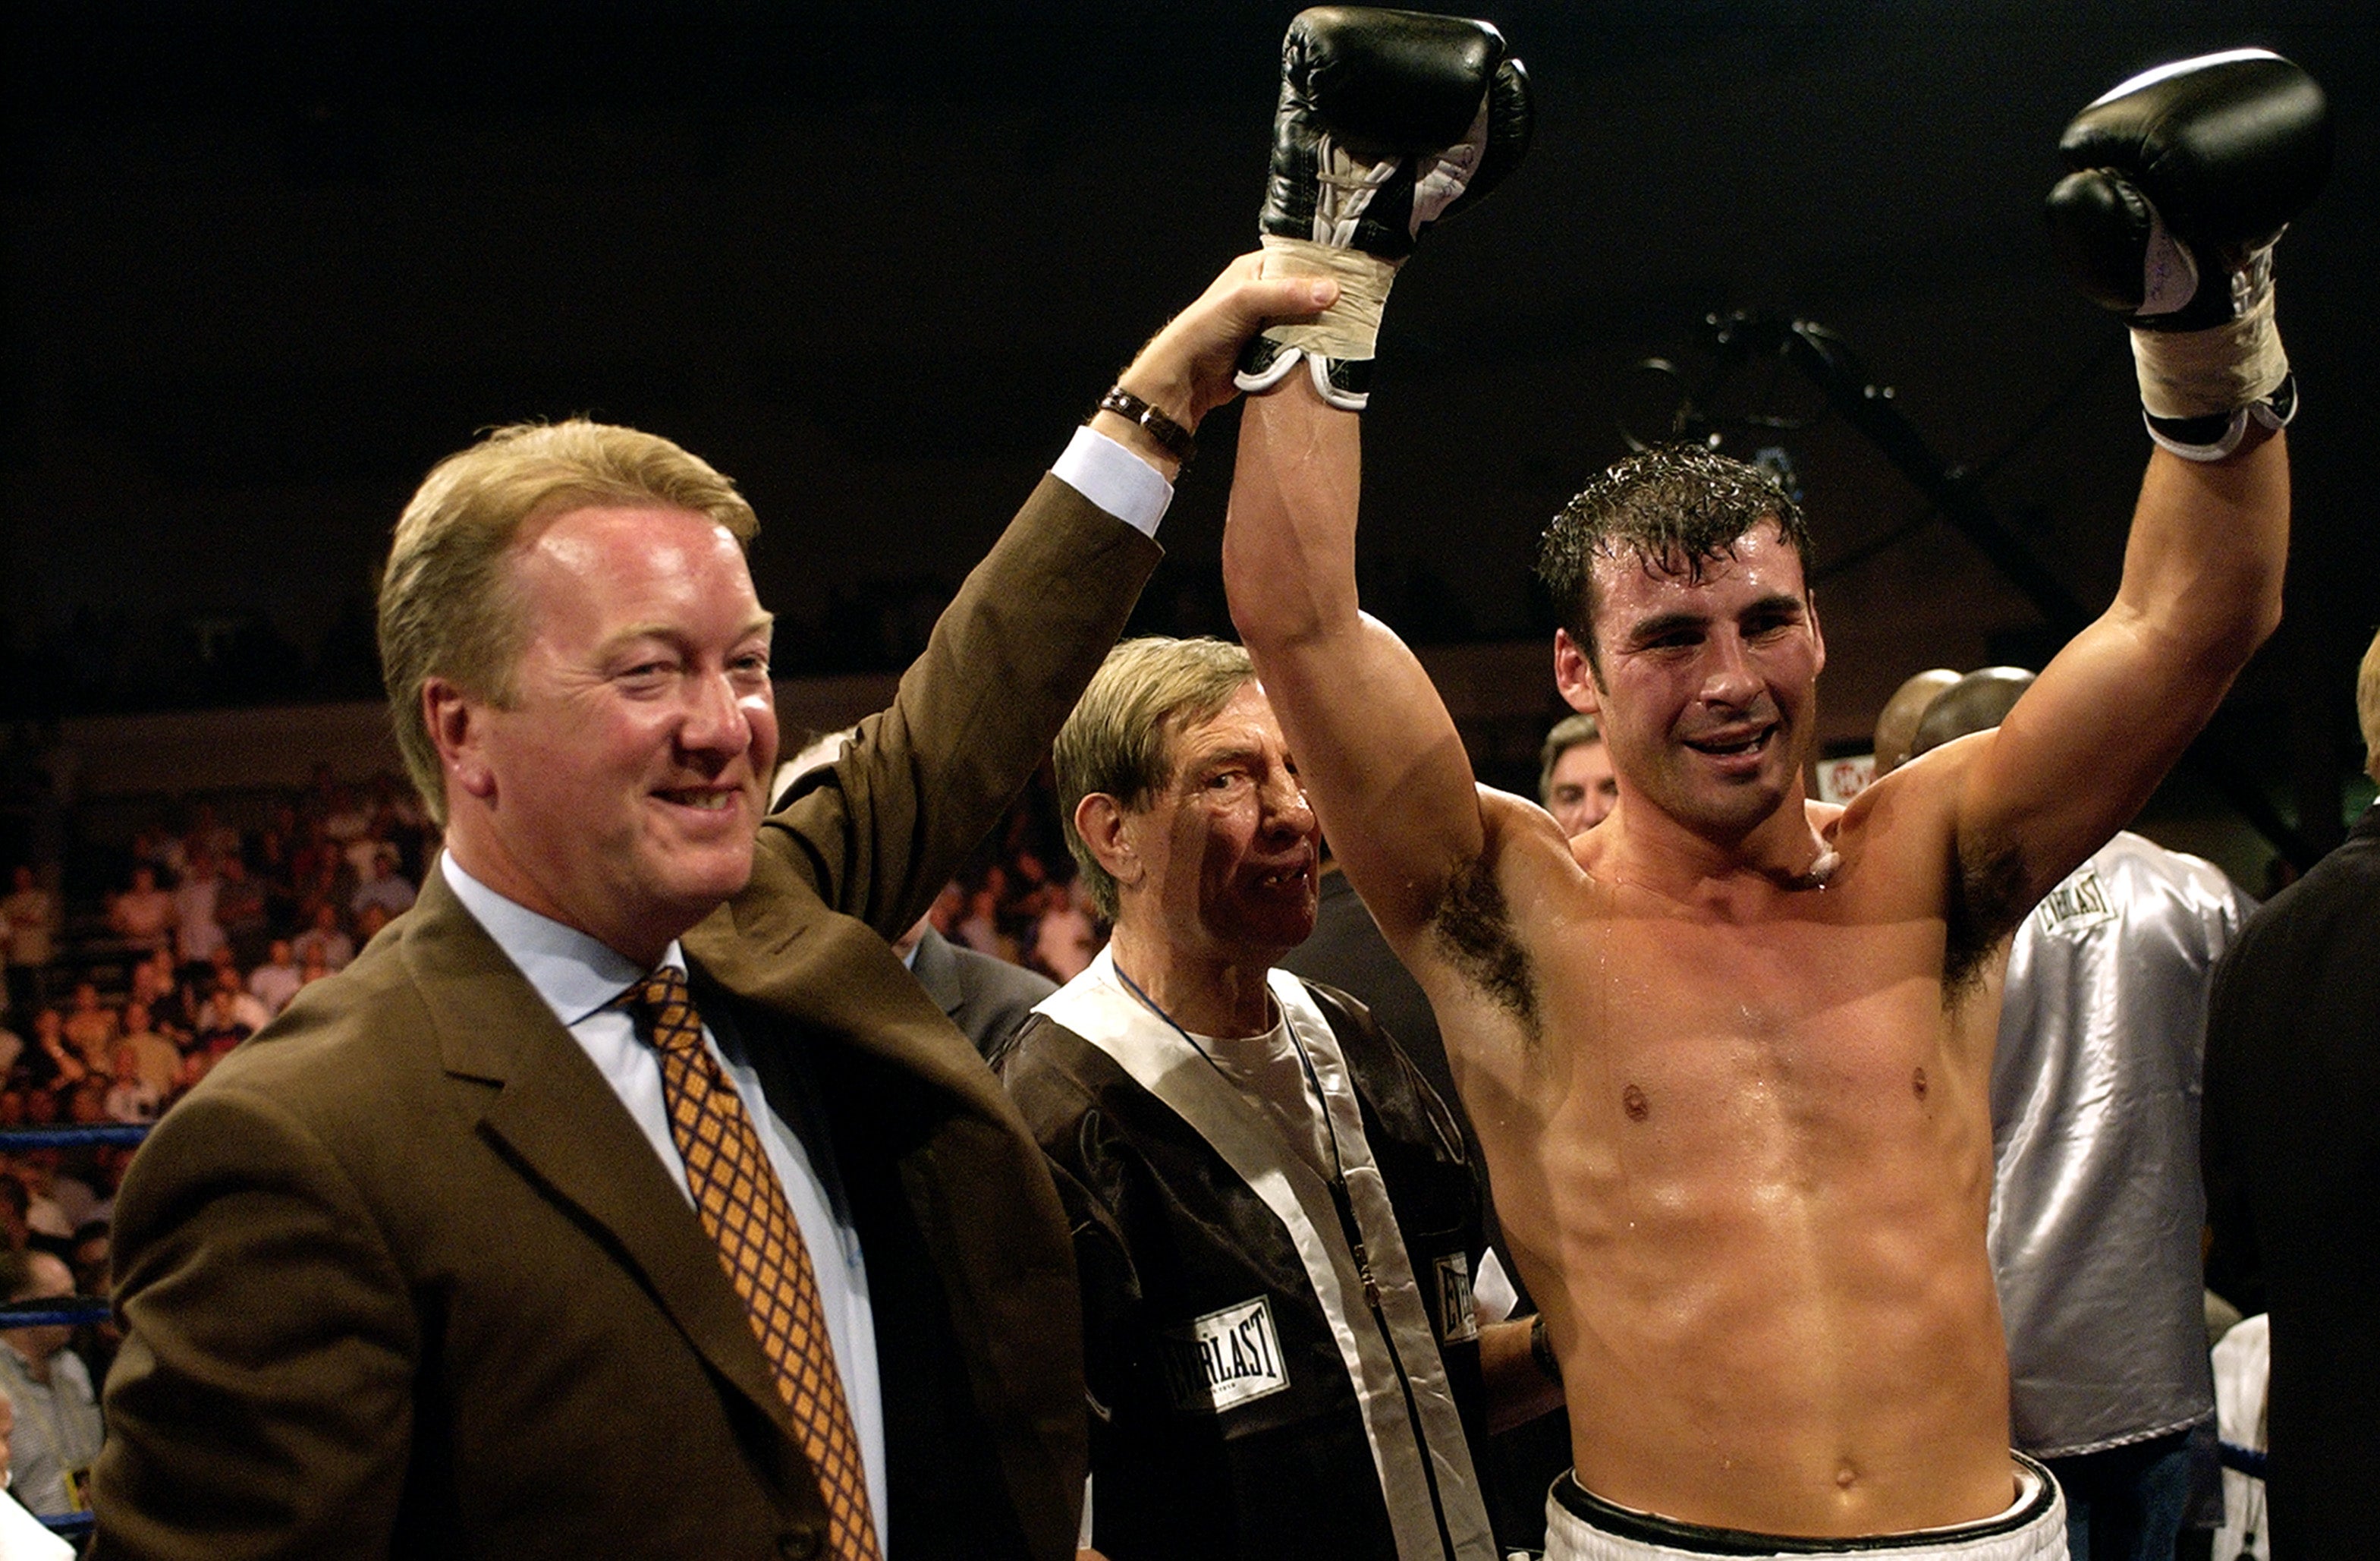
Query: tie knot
{"x": 665, "y": 1009}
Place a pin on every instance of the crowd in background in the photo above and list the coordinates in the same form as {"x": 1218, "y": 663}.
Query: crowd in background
{"x": 1019, "y": 898}
{"x": 132, "y": 970}
{"x": 120, "y": 1000}
{"x": 118, "y": 1003}
{"x": 207, "y": 930}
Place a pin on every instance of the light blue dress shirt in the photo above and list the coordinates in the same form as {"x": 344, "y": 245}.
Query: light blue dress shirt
{"x": 580, "y": 979}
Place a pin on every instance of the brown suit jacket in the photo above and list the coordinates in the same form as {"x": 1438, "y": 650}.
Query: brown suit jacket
{"x": 402, "y": 1278}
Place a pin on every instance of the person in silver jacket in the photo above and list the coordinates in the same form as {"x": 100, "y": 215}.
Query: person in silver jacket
{"x": 2096, "y": 1205}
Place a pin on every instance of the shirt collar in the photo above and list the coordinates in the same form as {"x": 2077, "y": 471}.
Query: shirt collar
{"x": 575, "y": 973}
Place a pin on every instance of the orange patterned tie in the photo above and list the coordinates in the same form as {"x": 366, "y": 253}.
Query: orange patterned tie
{"x": 736, "y": 1192}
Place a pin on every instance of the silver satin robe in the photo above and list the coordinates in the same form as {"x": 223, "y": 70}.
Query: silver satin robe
{"x": 2097, "y": 1206}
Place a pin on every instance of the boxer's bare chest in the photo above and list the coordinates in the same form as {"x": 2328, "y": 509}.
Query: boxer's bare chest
{"x": 1749, "y": 1125}
{"x": 1715, "y": 1051}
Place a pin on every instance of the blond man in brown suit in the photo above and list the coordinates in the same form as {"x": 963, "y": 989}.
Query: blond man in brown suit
{"x": 416, "y": 1272}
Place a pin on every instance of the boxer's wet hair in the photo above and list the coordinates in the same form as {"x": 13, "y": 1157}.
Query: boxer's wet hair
{"x": 1675, "y": 509}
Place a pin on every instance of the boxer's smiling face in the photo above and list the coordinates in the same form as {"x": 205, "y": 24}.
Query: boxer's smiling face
{"x": 1708, "y": 690}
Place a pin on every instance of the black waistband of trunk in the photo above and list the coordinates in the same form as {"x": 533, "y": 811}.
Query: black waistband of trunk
{"x": 1646, "y": 1528}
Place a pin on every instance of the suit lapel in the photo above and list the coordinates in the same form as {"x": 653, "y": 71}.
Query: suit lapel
{"x": 973, "y": 1183}
{"x": 776, "y": 945}
{"x": 556, "y": 1119}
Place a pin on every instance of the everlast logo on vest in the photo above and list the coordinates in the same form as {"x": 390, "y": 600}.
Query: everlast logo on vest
{"x": 1224, "y": 1358}
{"x": 2078, "y": 903}
{"x": 1457, "y": 1319}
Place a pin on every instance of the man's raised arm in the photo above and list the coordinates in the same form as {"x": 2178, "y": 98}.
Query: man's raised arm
{"x": 1388, "y": 121}
{"x": 2184, "y": 178}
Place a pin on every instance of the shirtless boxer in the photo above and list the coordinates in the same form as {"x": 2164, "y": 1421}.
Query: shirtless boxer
{"x": 1728, "y": 1053}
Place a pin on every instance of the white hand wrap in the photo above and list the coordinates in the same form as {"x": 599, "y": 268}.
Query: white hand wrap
{"x": 1349, "y": 328}
{"x": 2236, "y": 370}
{"x": 2223, "y": 369}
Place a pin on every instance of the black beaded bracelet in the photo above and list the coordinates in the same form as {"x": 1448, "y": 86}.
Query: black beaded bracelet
{"x": 1541, "y": 1350}
{"x": 1176, "y": 439}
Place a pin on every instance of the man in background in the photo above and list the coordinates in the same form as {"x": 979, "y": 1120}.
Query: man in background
{"x": 1277, "y": 1222}
{"x": 57, "y": 1410}
{"x": 987, "y": 999}
{"x": 23, "y": 1537}
{"x": 2097, "y": 1211}
{"x": 2292, "y": 1161}
{"x": 1574, "y": 779}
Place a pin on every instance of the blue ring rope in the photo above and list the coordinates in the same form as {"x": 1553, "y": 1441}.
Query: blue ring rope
{"x": 72, "y": 1137}
{"x": 2249, "y": 1461}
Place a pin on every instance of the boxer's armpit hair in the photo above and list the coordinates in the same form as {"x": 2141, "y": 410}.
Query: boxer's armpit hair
{"x": 1472, "y": 932}
{"x": 1987, "y": 901}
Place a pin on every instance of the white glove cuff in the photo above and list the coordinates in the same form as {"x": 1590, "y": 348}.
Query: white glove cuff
{"x": 2223, "y": 369}
{"x": 1349, "y": 328}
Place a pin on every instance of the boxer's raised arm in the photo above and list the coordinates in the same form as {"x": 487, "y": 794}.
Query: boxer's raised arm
{"x": 1388, "y": 121}
{"x": 2081, "y": 752}
{"x": 1372, "y": 740}
{"x": 2184, "y": 178}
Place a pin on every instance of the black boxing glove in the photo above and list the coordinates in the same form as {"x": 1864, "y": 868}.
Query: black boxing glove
{"x": 1388, "y": 121}
{"x": 2185, "y": 175}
